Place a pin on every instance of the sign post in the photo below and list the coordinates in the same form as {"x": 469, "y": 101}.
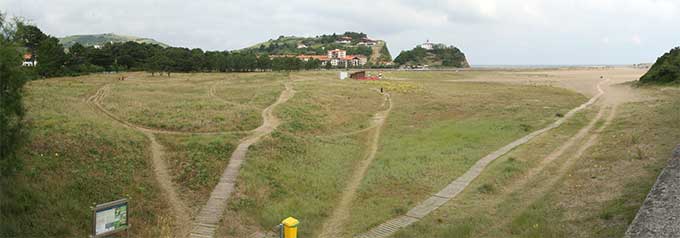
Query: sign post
{"x": 110, "y": 218}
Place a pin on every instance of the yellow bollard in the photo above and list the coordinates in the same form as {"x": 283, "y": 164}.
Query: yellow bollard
{"x": 290, "y": 227}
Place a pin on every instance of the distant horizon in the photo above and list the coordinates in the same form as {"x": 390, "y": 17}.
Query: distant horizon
{"x": 489, "y": 32}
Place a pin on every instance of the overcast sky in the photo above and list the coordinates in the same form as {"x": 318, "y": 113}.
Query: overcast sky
{"x": 490, "y": 32}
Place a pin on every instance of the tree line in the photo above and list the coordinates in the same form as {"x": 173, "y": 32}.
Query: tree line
{"x": 53, "y": 60}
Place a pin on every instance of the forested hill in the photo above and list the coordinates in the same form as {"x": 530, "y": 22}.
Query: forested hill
{"x": 354, "y": 43}
{"x": 439, "y": 56}
{"x": 665, "y": 70}
{"x": 101, "y": 39}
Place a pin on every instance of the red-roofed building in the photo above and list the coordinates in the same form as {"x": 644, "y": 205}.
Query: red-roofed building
{"x": 336, "y": 58}
{"x": 29, "y": 61}
{"x": 344, "y": 40}
{"x": 367, "y": 41}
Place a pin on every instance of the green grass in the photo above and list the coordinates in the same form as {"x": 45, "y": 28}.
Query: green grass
{"x": 475, "y": 211}
{"x": 197, "y": 161}
{"x": 296, "y": 173}
{"x": 434, "y": 136}
{"x": 598, "y": 197}
{"x": 299, "y": 171}
{"x": 184, "y": 103}
{"x": 437, "y": 129}
{"x": 76, "y": 158}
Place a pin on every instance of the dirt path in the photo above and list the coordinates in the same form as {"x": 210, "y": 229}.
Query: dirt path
{"x": 104, "y": 92}
{"x": 207, "y": 221}
{"x": 333, "y": 227}
{"x": 458, "y": 185}
{"x": 181, "y": 212}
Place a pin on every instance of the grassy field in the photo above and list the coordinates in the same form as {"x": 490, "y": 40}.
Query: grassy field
{"x": 301, "y": 169}
{"x": 597, "y": 197}
{"x": 436, "y": 134}
{"x": 77, "y": 158}
{"x": 436, "y": 130}
{"x": 197, "y": 161}
{"x": 194, "y": 102}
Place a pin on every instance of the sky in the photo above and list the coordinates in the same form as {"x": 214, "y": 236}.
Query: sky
{"x": 489, "y": 32}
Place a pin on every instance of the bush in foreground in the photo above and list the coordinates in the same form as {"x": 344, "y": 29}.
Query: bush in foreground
{"x": 665, "y": 70}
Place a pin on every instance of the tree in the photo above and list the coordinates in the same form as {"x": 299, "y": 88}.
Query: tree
{"x": 264, "y": 62}
{"x": 198, "y": 62}
{"x": 29, "y": 36}
{"x": 51, "y": 58}
{"x": 12, "y": 80}
{"x": 159, "y": 62}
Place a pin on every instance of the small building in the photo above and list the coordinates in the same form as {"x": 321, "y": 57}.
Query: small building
{"x": 361, "y": 75}
{"x": 344, "y": 40}
{"x": 29, "y": 61}
{"x": 427, "y": 45}
{"x": 301, "y": 46}
{"x": 337, "y": 53}
{"x": 343, "y": 75}
{"x": 355, "y": 60}
{"x": 367, "y": 42}
{"x": 358, "y": 75}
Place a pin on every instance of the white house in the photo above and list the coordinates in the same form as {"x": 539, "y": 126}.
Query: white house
{"x": 427, "y": 45}
{"x": 29, "y": 61}
{"x": 337, "y": 53}
{"x": 367, "y": 42}
{"x": 344, "y": 40}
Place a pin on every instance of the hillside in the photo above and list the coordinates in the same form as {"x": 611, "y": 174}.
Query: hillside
{"x": 665, "y": 70}
{"x": 354, "y": 43}
{"x": 434, "y": 55}
{"x": 100, "y": 39}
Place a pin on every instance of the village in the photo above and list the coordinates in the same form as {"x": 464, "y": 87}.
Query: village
{"x": 336, "y": 57}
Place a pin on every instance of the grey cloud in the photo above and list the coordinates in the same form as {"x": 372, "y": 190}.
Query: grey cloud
{"x": 489, "y": 31}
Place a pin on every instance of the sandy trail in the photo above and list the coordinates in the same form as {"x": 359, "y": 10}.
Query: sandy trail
{"x": 333, "y": 227}
{"x": 207, "y": 221}
{"x": 539, "y": 190}
{"x": 181, "y": 211}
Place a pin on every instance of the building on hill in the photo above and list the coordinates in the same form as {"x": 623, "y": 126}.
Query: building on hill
{"x": 367, "y": 42}
{"x": 29, "y": 61}
{"x": 301, "y": 46}
{"x": 337, "y": 53}
{"x": 427, "y": 45}
{"x": 339, "y": 57}
{"x": 344, "y": 40}
{"x": 336, "y": 58}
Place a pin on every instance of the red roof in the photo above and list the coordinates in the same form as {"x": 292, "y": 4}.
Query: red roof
{"x": 318, "y": 57}
{"x": 281, "y": 56}
{"x": 28, "y": 56}
{"x": 349, "y": 57}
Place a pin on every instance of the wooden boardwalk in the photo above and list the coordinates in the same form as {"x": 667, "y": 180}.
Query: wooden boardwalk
{"x": 457, "y": 186}
{"x": 207, "y": 221}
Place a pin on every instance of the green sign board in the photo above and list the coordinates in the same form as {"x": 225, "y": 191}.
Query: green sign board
{"x": 110, "y": 218}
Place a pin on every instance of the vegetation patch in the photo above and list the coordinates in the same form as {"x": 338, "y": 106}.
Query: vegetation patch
{"x": 392, "y": 86}
{"x": 665, "y": 70}
{"x": 77, "y": 158}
